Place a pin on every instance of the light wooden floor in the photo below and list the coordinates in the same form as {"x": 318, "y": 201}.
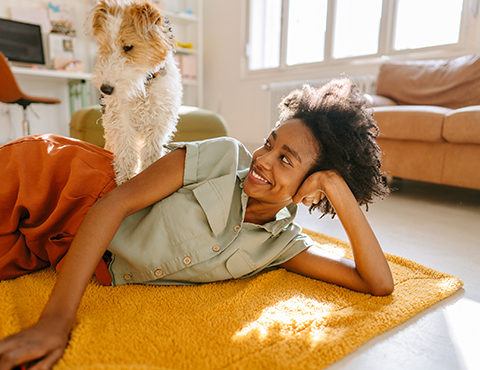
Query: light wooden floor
{"x": 439, "y": 227}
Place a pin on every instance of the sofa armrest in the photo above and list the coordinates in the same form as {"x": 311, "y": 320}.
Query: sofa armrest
{"x": 378, "y": 101}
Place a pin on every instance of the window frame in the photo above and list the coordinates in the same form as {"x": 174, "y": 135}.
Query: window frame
{"x": 385, "y": 42}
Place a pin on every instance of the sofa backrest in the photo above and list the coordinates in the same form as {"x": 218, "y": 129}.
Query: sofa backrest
{"x": 450, "y": 83}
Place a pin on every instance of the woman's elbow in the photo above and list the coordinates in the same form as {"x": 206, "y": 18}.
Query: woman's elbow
{"x": 386, "y": 288}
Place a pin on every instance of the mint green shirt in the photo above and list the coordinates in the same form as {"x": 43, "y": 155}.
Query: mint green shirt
{"x": 197, "y": 234}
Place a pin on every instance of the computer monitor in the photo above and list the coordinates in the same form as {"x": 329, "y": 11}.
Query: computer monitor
{"x": 21, "y": 42}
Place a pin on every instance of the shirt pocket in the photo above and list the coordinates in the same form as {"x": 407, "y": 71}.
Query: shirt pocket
{"x": 215, "y": 198}
{"x": 239, "y": 265}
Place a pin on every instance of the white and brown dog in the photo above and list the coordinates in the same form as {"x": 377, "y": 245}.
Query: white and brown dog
{"x": 139, "y": 80}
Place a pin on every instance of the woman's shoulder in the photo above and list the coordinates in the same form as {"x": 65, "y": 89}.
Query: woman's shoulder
{"x": 226, "y": 142}
{"x": 212, "y": 158}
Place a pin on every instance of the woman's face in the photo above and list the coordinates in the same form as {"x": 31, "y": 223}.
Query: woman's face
{"x": 279, "y": 167}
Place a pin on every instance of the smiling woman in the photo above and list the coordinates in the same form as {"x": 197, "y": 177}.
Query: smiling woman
{"x": 222, "y": 214}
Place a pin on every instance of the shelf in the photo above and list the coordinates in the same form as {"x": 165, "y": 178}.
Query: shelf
{"x": 186, "y": 20}
{"x": 180, "y": 17}
{"x": 186, "y": 51}
{"x": 50, "y": 73}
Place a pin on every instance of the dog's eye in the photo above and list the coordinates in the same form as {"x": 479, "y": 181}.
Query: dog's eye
{"x": 127, "y": 48}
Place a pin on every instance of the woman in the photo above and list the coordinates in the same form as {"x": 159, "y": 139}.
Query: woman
{"x": 322, "y": 153}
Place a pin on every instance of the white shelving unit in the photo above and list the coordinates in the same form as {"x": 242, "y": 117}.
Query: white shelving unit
{"x": 186, "y": 19}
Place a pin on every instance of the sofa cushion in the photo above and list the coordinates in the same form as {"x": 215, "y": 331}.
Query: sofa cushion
{"x": 418, "y": 123}
{"x": 463, "y": 126}
{"x": 413, "y": 160}
{"x": 462, "y": 165}
{"x": 451, "y": 83}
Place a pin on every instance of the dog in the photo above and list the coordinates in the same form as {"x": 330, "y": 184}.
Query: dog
{"x": 139, "y": 81}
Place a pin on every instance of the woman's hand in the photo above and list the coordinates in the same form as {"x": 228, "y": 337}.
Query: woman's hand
{"x": 315, "y": 187}
{"x": 44, "y": 342}
{"x": 370, "y": 272}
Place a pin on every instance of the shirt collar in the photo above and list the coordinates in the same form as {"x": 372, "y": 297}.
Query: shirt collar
{"x": 283, "y": 218}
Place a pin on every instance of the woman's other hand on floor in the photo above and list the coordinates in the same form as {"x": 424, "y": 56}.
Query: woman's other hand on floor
{"x": 40, "y": 345}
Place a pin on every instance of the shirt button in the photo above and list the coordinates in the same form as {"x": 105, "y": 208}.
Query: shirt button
{"x": 187, "y": 260}
{"x": 216, "y": 248}
{"x": 127, "y": 277}
{"x": 236, "y": 228}
{"x": 158, "y": 272}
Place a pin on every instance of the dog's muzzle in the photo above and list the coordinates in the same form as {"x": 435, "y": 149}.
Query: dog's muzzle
{"x": 106, "y": 89}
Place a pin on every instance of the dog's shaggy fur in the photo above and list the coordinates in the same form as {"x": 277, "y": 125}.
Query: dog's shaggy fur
{"x": 139, "y": 80}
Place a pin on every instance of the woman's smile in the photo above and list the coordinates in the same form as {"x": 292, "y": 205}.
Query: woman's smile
{"x": 257, "y": 177}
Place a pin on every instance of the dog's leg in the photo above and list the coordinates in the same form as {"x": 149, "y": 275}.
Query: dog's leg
{"x": 120, "y": 138}
{"x": 152, "y": 148}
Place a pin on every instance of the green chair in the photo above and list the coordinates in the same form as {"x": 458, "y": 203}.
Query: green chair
{"x": 194, "y": 124}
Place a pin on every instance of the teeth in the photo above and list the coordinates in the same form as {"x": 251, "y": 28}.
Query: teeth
{"x": 254, "y": 174}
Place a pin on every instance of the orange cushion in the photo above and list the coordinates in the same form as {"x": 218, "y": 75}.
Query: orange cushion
{"x": 451, "y": 83}
{"x": 418, "y": 123}
{"x": 463, "y": 126}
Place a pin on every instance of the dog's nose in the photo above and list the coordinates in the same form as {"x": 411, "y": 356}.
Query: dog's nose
{"x": 106, "y": 89}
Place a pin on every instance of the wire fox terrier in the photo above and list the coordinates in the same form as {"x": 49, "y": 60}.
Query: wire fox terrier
{"x": 139, "y": 80}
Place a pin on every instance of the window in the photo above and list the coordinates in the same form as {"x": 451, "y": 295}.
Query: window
{"x": 265, "y": 28}
{"x": 307, "y": 23}
{"x": 425, "y": 23}
{"x": 357, "y": 28}
{"x": 286, "y": 33}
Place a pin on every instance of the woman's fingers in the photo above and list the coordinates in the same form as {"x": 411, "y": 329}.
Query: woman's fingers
{"x": 312, "y": 189}
{"x": 31, "y": 345}
{"x": 48, "y": 361}
{"x": 314, "y": 198}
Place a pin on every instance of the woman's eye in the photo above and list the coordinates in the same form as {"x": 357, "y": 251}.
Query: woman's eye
{"x": 127, "y": 48}
{"x": 266, "y": 143}
{"x": 285, "y": 160}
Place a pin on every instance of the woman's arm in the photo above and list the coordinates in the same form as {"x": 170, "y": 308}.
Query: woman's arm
{"x": 47, "y": 339}
{"x": 369, "y": 273}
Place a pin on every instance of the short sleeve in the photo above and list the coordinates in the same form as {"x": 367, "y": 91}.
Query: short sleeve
{"x": 213, "y": 158}
{"x": 297, "y": 245}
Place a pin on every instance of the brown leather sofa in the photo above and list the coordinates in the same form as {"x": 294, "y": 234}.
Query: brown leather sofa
{"x": 428, "y": 113}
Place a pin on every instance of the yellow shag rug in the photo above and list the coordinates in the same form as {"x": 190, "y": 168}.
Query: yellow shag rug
{"x": 275, "y": 320}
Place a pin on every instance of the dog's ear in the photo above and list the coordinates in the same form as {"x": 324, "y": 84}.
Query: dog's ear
{"x": 145, "y": 17}
{"x": 98, "y": 17}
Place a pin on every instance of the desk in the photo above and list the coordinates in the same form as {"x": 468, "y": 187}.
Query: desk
{"x": 74, "y": 80}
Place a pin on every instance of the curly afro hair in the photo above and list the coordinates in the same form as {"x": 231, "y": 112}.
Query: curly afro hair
{"x": 345, "y": 132}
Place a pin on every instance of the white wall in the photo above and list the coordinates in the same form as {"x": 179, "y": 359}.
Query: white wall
{"x": 241, "y": 100}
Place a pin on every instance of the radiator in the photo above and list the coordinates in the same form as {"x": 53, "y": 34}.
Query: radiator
{"x": 278, "y": 90}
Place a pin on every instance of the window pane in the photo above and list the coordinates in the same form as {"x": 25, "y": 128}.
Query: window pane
{"x": 307, "y": 22}
{"x": 357, "y": 27}
{"x": 264, "y": 35}
{"x": 427, "y": 23}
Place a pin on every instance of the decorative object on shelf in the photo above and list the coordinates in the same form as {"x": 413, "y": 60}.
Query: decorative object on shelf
{"x": 60, "y": 19}
{"x": 61, "y": 50}
{"x": 188, "y": 67}
{"x": 185, "y": 46}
